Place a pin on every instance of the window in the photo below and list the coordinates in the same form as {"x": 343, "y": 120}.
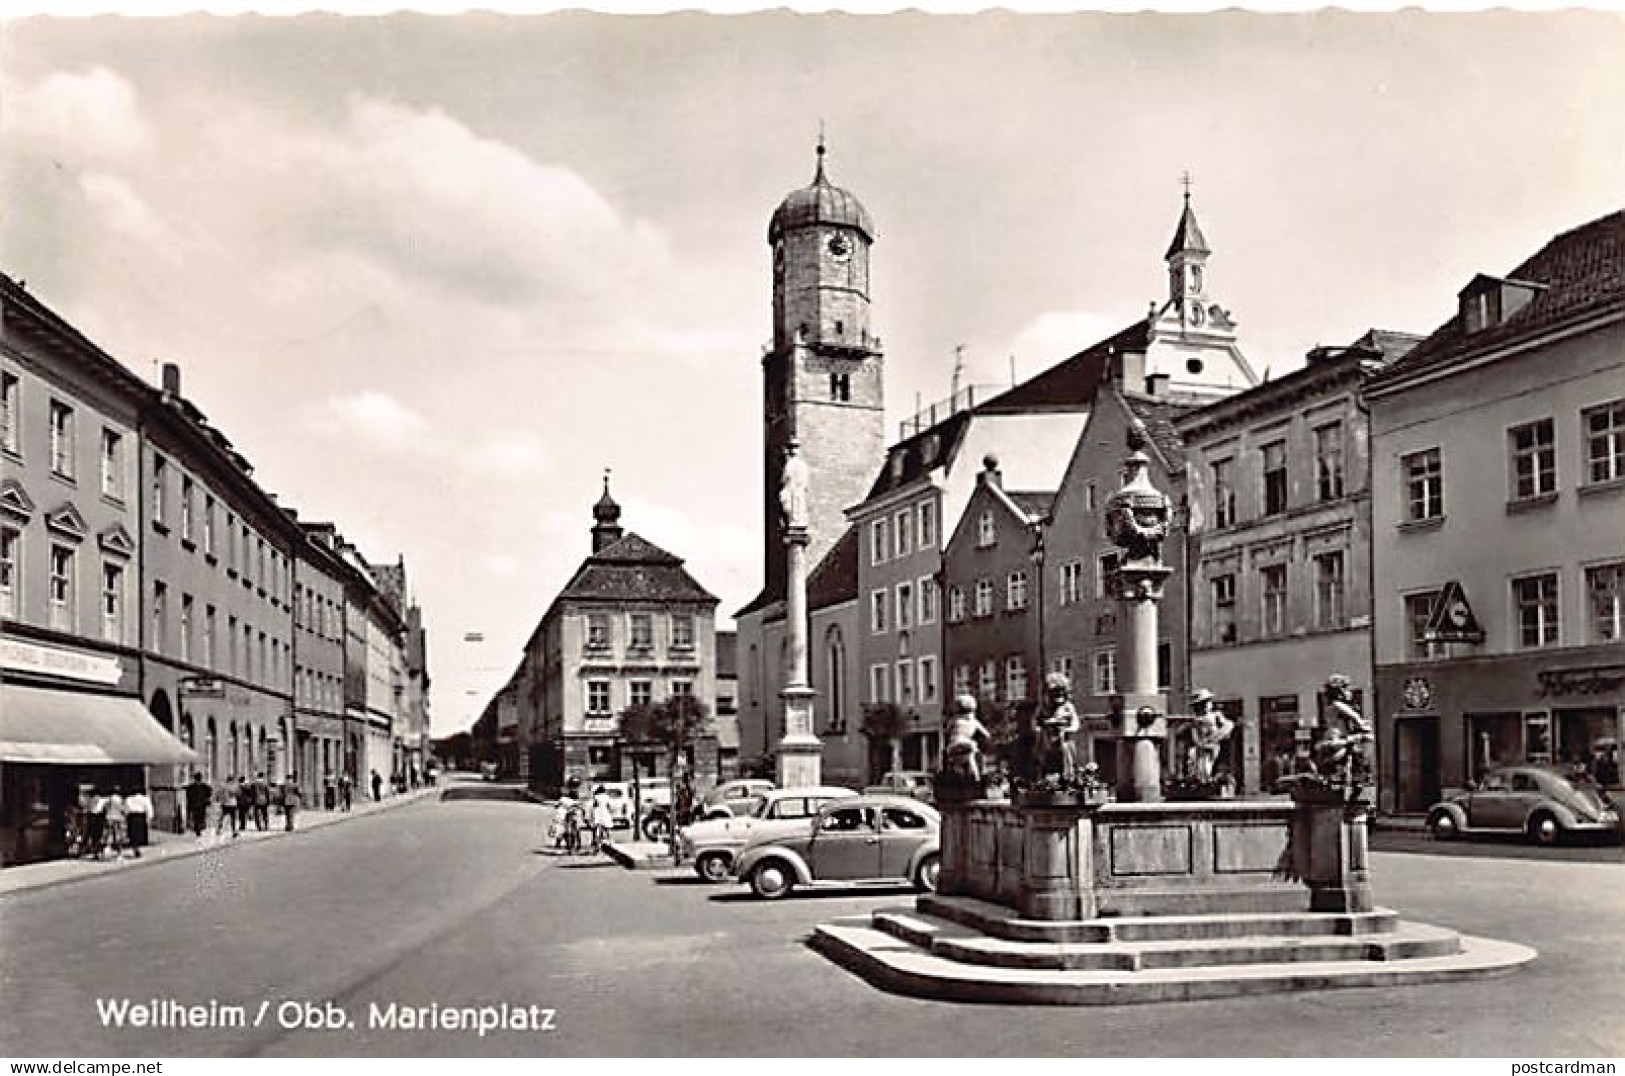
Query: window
{"x": 208, "y": 635}
{"x": 208, "y": 526}
{"x": 160, "y": 478}
{"x": 682, "y": 631}
{"x": 160, "y": 615}
{"x": 877, "y": 611}
{"x": 1605, "y": 442}
{"x": 61, "y": 588}
{"x": 1015, "y": 678}
{"x": 1533, "y": 460}
{"x": 1071, "y": 582}
{"x": 1535, "y": 600}
{"x": 10, "y": 413}
{"x": 186, "y": 627}
{"x": 905, "y": 605}
{"x": 643, "y": 631}
{"x": 1224, "y": 493}
{"x": 925, "y": 675}
{"x": 682, "y": 687}
{"x": 1015, "y": 591}
{"x": 905, "y": 684}
{"x": 112, "y": 602}
{"x": 1329, "y": 590}
{"x": 928, "y": 600}
{"x": 1063, "y": 665}
{"x": 840, "y": 387}
{"x": 901, "y": 818}
{"x": 835, "y": 668}
{"x": 928, "y": 525}
{"x": 10, "y": 570}
{"x": 1224, "y": 608}
{"x": 877, "y": 542}
{"x": 188, "y": 495}
{"x": 1105, "y": 672}
{"x": 1605, "y": 595}
{"x": 902, "y": 532}
{"x": 988, "y": 687}
{"x": 61, "y": 439}
{"x": 1091, "y": 499}
{"x": 1329, "y": 461}
{"x": 984, "y": 597}
{"x": 987, "y": 532}
{"x": 961, "y": 679}
{"x": 1274, "y": 463}
{"x": 597, "y": 697}
{"x": 112, "y": 463}
{"x": 956, "y": 604}
{"x": 1424, "y": 485}
{"x": 641, "y": 692}
{"x": 231, "y": 641}
{"x": 1106, "y": 575}
{"x": 597, "y": 631}
{"x": 1272, "y": 589}
{"x": 877, "y": 683}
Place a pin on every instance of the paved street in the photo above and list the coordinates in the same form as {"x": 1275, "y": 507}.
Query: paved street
{"x": 456, "y": 903}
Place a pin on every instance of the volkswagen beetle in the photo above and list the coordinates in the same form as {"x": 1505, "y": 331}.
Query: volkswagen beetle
{"x": 865, "y": 840}
{"x": 1546, "y": 805}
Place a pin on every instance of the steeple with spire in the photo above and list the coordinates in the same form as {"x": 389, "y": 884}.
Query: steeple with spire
{"x": 606, "y": 514}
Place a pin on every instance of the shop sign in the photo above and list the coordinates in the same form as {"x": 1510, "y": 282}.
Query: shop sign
{"x": 203, "y": 687}
{"x": 598, "y": 724}
{"x": 1586, "y": 680}
{"x": 67, "y": 664}
{"x": 1452, "y": 619}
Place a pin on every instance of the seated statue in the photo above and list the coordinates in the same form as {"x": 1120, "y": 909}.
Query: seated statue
{"x": 961, "y": 754}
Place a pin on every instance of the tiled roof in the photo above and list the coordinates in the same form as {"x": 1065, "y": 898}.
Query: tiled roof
{"x": 835, "y": 579}
{"x": 1159, "y": 417}
{"x": 1035, "y": 505}
{"x": 1582, "y": 272}
{"x": 1072, "y": 382}
{"x": 633, "y": 569}
{"x": 948, "y": 434}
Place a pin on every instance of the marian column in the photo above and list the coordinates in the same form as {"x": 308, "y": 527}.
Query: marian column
{"x": 1137, "y": 518}
{"x": 800, "y": 753}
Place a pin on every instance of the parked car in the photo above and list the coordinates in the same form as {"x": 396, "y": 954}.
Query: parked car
{"x": 776, "y": 812}
{"x": 916, "y": 784}
{"x": 731, "y": 799}
{"x": 1541, "y": 802}
{"x": 867, "y": 840}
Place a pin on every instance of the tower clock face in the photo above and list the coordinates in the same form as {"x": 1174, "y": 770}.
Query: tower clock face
{"x": 840, "y": 247}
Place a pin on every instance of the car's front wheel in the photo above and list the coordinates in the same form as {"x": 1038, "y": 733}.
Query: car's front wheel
{"x": 712, "y": 866}
{"x": 771, "y": 880}
{"x": 1544, "y": 828}
{"x": 1442, "y": 826}
{"x": 925, "y": 875}
{"x": 656, "y": 828}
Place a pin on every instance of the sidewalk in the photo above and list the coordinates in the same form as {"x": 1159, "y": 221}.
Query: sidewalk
{"x": 639, "y": 855}
{"x": 165, "y": 846}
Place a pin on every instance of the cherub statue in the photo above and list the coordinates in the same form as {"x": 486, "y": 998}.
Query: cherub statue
{"x": 1057, "y": 729}
{"x": 1340, "y": 752}
{"x": 1209, "y": 729}
{"x": 961, "y": 755}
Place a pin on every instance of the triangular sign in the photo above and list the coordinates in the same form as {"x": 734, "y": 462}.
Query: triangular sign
{"x": 1452, "y": 619}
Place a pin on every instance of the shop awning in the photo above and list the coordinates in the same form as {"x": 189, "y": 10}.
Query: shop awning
{"x": 72, "y": 728}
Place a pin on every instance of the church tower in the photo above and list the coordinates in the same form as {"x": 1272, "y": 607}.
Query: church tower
{"x": 822, "y": 375}
{"x": 1192, "y": 347}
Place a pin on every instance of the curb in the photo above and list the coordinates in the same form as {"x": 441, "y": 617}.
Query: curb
{"x": 633, "y": 861}
{"x": 124, "y": 866}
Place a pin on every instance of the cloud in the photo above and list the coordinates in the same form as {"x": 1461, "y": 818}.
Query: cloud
{"x": 123, "y": 210}
{"x": 1057, "y": 335}
{"x": 92, "y": 115}
{"x": 514, "y": 453}
{"x": 374, "y": 416}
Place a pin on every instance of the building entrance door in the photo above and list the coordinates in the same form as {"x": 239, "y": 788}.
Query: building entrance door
{"x": 1416, "y": 763}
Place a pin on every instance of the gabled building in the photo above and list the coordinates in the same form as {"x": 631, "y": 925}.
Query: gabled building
{"x": 1498, "y": 527}
{"x": 1280, "y": 565}
{"x": 631, "y": 627}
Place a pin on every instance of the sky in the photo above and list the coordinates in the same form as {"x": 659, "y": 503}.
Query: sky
{"x": 433, "y": 275}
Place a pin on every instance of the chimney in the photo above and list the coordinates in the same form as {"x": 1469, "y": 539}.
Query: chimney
{"x": 1131, "y": 370}
{"x": 172, "y": 379}
{"x": 1156, "y": 384}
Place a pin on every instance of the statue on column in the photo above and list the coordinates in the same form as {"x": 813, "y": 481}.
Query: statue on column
{"x": 1209, "y": 729}
{"x": 793, "y": 489}
{"x": 1057, "y": 730}
{"x": 1340, "y": 753}
{"x": 961, "y": 752}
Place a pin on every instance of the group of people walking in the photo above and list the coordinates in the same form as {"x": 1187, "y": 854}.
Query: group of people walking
{"x": 236, "y": 803}
{"x": 113, "y": 822}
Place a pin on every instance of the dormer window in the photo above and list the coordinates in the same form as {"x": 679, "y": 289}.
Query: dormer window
{"x": 897, "y": 462}
{"x": 1488, "y": 301}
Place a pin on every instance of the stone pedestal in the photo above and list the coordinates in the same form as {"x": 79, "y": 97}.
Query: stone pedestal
{"x": 1330, "y": 850}
{"x": 800, "y": 753}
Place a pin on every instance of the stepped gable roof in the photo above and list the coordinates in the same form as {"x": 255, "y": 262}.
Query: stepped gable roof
{"x": 1159, "y": 417}
{"x": 634, "y": 569}
{"x": 949, "y": 434}
{"x": 1074, "y": 381}
{"x": 1580, "y": 273}
{"x": 835, "y": 579}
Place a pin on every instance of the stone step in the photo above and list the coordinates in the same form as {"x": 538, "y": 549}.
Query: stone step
{"x": 893, "y": 963}
{"x": 1002, "y": 922}
{"x": 956, "y": 942}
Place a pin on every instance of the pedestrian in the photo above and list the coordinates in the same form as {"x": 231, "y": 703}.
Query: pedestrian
{"x": 261, "y": 800}
{"x": 198, "y": 794}
{"x": 230, "y": 796}
{"x": 330, "y": 791}
{"x": 377, "y": 786}
{"x": 602, "y": 817}
{"x": 138, "y": 812}
{"x": 290, "y": 800}
{"x": 345, "y": 790}
{"x": 96, "y": 835}
{"x": 117, "y": 815}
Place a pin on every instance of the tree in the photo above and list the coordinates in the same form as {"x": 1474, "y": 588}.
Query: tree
{"x": 886, "y": 721}
{"x": 673, "y": 723}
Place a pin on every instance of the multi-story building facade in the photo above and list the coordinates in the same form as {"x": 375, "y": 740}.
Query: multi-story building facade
{"x": 631, "y": 627}
{"x": 71, "y": 709}
{"x": 1280, "y": 565}
{"x": 1498, "y": 510}
{"x": 217, "y": 586}
{"x": 323, "y": 744}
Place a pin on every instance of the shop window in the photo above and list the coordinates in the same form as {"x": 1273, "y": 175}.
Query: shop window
{"x": 1280, "y": 737}
{"x": 1537, "y": 737}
